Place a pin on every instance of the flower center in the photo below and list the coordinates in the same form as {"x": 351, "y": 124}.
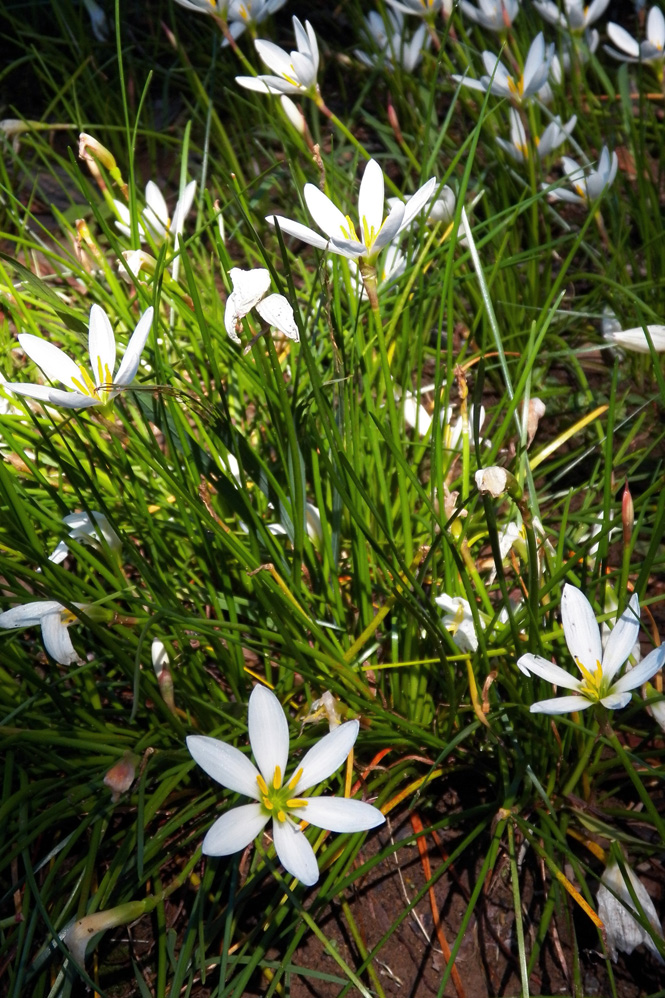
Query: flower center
{"x": 87, "y": 386}
{"x": 592, "y": 687}
{"x": 277, "y": 799}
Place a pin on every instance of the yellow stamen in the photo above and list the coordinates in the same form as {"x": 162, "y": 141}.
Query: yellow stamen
{"x": 267, "y": 803}
{"x": 295, "y": 779}
{"x": 592, "y": 680}
{"x": 263, "y": 786}
{"x": 296, "y": 802}
{"x": 86, "y": 387}
{"x": 349, "y": 233}
{"x": 277, "y": 778}
{"x": 281, "y": 816}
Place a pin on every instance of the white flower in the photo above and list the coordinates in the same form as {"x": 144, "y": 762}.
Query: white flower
{"x": 590, "y": 187}
{"x": 295, "y": 71}
{"x": 652, "y": 49}
{"x": 54, "y": 619}
{"x": 500, "y": 82}
{"x": 459, "y": 621}
{"x": 552, "y": 137}
{"x": 634, "y": 339}
{"x": 83, "y": 528}
{"x": 157, "y": 224}
{"x": 97, "y": 20}
{"x": 623, "y": 931}
{"x": 245, "y": 13}
{"x": 160, "y": 656}
{"x": 494, "y": 481}
{"x": 391, "y": 46}
{"x": 85, "y": 391}
{"x": 376, "y": 232}
{"x": 276, "y": 797}
{"x": 440, "y": 209}
{"x": 576, "y": 15}
{"x": 423, "y": 8}
{"x": 598, "y": 668}
{"x": 495, "y": 15}
{"x": 249, "y": 289}
{"x": 215, "y": 7}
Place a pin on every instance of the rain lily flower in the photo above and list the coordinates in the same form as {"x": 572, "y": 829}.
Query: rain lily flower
{"x": 295, "y": 72}
{"x": 89, "y": 530}
{"x": 496, "y": 481}
{"x": 391, "y": 45}
{"x": 598, "y": 667}
{"x": 249, "y": 289}
{"x": 215, "y": 7}
{"x": 623, "y": 931}
{"x": 552, "y": 137}
{"x": 276, "y": 797}
{"x": 157, "y": 224}
{"x": 244, "y": 14}
{"x": 495, "y": 15}
{"x": 634, "y": 339}
{"x": 590, "y": 187}
{"x": 85, "y": 391}
{"x": 500, "y": 82}
{"x": 376, "y": 232}
{"x": 423, "y": 8}
{"x": 652, "y": 49}
{"x": 458, "y": 619}
{"x": 54, "y": 619}
{"x": 575, "y": 16}
{"x": 440, "y": 209}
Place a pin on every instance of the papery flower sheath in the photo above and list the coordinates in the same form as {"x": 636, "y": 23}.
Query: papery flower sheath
{"x": 376, "y": 232}
{"x": 598, "y": 668}
{"x": 275, "y": 797}
{"x": 85, "y": 389}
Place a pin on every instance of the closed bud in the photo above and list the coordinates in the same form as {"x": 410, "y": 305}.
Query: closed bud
{"x": 394, "y": 123}
{"x": 121, "y": 776}
{"x": 627, "y": 515}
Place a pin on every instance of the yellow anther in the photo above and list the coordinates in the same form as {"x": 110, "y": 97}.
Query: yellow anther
{"x": 277, "y": 778}
{"x": 263, "y": 786}
{"x": 86, "y": 386}
{"x": 281, "y": 816}
{"x": 296, "y": 802}
{"x": 267, "y": 803}
{"x": 295, "y": 779}
{"x": 67, "y": 617}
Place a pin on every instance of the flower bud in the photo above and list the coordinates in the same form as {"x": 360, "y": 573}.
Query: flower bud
{"x": 496, "y": 481}
{"x": 627, "y": 514}
{"x": 90, "y": 150}
{"x": 121, "y": 776}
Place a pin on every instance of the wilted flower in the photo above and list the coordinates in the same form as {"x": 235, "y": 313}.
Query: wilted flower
{"x": 588, "y": 187}
{"x": 249, "y": 289}
{"x": 651, "y": 50}
{"x": 598, "y": 667}
{"x": 295, "y": 71}
{"x": 497, "y": 481}
{"x": 85, "y": 391}
{"x": 500, "y": 82}
{"x": 623, "y": 931}
{"x": 54, "y": 620}
{"x": 275, "y": 798}
{"x": 391, "y": 44}
{"x": 552, "y": 137}
{"x": 575, "y": 16}
{"x": 376, "y": 232}
{"x": 495, "y": 15}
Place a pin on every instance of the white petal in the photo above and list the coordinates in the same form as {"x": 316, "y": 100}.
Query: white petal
{"x": 370, "y": 200}
{"x": 295, "y": 853}
{"x": 130, "y": 362}
{"x": 299, "y": 231}
{"x": 224, "y": 763}
{"x": 156, "y": 204}
{"x": 249, "y": 287}
{"x": 538, "y": 666}
{"x": 634, "y": 339}
{"x": 560, "y": 705}
{"x": 277, "y": 312}
{"x": 642, "y": 672}
{"x": 326, "y": 215}
{"x": 183, "y": 208}
{"x": 623, "y": 931}
{"x": 580, "y": 628}
{"x": 623, "y": 40}
{"x": 417, "y": 202}
{"x": 275, "y": 58}
{"x": 29, "y": 614}
{"x": 339, "y": 814}
{"x": 258, "y": 83}
{"x": 656, "y": 27}
{"x": 101, "y": 347}
{"x": 234, "y": 830}
{"x": 55, "y": 364}
{"x": 616, "y": 701}
{"x": 268, "y": 732}
{"x": 622, "y": 639}
{"x": 326, "y": 756}
{"x": 57, "y": 640}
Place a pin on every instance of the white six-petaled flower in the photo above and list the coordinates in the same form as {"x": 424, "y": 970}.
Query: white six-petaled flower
{"x": 243, "y": 14}
{"x": 157, "y": 224}
{"x": 276, "y": 797}
{"x": 54, "y": 619}
{"x": 495, "y": 15}
{"x": 518, "y": 147}
{"x": 390, "y": 43}
{"x": 598, "y": 668}
{"x": 590, "y": 186}
{"x": 376, "y": 232}
{"x": 89, "y": 529}
{"x": 85, "y": 390}
{"x": 517, "y": 88}
{"x": 249, "y": 289}
{"x": 652, "y": 49}
{"x": 295, "y": 72}
{"x": 576, "y": 15}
